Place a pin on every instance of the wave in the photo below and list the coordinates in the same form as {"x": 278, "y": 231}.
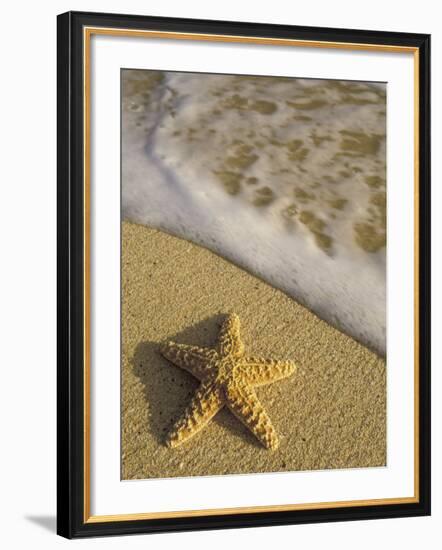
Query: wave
{"x": 284, "y": 177}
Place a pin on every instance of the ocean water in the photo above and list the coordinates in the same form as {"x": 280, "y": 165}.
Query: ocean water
{"x": 286, "y": 177}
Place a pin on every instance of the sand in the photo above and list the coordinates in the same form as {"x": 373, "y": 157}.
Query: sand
{"x": 330, "y": 414}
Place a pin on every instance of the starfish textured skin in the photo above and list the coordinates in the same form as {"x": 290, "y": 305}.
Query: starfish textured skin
{"x": 227, "y": 377}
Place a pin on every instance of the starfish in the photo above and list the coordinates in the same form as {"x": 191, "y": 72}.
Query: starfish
{"x": 227, "y": 377}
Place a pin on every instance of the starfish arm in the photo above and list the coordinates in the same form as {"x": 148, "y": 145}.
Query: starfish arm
{"x": 207, "y": 401}
{"x": 244, "y": 404}
{"x": 229, "y": 337}
{"x": 194, "y": 359}
{"x": 257, "y": 371}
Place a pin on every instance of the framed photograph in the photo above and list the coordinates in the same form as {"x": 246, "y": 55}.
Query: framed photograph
{"x": 243, "y": 274}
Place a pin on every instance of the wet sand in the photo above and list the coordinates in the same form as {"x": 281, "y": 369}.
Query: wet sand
{"x": 330, "y": 414}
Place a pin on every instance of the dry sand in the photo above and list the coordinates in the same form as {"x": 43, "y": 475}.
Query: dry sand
{"x": 330, "y": 414}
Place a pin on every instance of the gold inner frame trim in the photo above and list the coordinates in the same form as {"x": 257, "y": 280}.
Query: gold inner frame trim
{"x": 249, "y": 39}
{"x": 87, "y": 34}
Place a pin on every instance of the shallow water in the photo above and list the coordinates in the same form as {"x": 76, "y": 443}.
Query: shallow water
{"x": 285, "y": 177}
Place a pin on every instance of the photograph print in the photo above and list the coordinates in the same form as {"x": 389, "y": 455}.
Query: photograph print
{"x": 253, "y": 274}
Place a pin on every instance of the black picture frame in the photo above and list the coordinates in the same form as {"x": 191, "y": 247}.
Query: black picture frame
{"x": 72, "y": 520}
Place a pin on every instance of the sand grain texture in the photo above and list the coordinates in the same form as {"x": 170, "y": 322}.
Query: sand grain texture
{"x": 330, "y": 414}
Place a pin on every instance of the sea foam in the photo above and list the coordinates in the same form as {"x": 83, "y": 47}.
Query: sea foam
{"x": 284, "y": 177}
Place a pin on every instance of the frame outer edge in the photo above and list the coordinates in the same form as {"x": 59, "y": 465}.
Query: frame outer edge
{"x": 246, "y": 28}
{"x": 70, "y": 272}
{"x": 425, "y": 273}
{"x": 64, "y": 481}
